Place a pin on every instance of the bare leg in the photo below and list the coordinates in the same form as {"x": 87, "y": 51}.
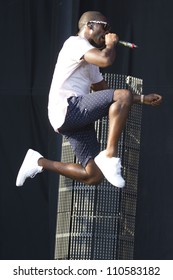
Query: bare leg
{"x": 93, "y": 173}
{"x": 118, "y": 113}
{"x": 90, "y": 175}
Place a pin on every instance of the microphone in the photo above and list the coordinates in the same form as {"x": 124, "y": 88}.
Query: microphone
{"x": 127, "y": 44}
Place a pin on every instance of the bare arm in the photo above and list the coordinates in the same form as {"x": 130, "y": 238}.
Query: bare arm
{"x": 149, "y": 99}
{"x": 106, "y": 56}
{"x": 99, "y": 86}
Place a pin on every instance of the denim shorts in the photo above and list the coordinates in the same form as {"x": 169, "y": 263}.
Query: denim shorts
{"x": 78, "y": 126}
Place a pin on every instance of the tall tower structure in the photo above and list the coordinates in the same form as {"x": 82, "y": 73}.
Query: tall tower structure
{"x": 98, "y": 222}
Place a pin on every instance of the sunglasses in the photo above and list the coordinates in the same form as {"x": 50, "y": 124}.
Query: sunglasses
{"x": 106, "y": 25}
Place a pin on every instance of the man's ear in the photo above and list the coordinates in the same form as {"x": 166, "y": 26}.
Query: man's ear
{"x": 90, "y": 25}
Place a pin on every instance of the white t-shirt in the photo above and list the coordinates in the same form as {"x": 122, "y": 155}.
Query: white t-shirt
{"x": 73, "y": 76}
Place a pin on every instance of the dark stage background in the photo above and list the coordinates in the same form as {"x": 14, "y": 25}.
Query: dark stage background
{"x": 32, "y": 32}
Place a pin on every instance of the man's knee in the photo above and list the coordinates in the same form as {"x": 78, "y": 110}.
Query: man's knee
{"x": 95, "y": 176}
{"x": 95, "y": 180}
{"x": 124, "y": 96}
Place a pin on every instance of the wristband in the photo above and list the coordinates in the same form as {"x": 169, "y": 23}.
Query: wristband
{"x": 142, "y": 98}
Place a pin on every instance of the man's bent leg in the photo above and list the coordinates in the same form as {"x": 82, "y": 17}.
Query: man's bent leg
{"x": 118, "y": 114}
{"x": 35, "y": 163}
{"x": 90, "y": 175}
{"x": 107, "y": 160}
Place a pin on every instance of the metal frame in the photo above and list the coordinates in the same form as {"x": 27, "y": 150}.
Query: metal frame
{"x": 99, "y": 222}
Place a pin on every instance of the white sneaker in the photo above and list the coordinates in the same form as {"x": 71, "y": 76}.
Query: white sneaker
{"x": 111, "y": 169}
{"x": 29, "y": 167}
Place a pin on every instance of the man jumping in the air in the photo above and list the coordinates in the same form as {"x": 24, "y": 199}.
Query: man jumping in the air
{"x": 73, "y": 110}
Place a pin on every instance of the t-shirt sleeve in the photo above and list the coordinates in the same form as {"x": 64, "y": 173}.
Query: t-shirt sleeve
{"x": 79, "y": 46}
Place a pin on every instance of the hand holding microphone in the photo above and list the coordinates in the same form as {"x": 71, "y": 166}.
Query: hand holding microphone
{"x": 112, "y": 38}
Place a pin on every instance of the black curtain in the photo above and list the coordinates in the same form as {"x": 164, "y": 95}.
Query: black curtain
{"x": 32, "y": 32}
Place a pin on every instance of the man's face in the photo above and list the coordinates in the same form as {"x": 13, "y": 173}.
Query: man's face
{"x": 100, "y": 29}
